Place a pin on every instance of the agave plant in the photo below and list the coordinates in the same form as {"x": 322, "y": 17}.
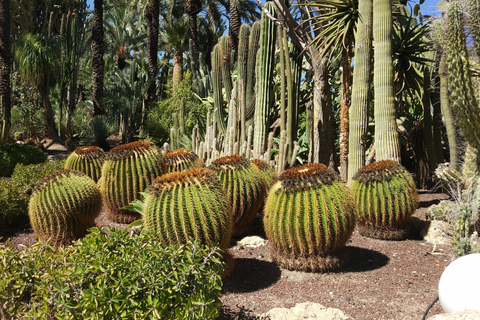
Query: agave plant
{"x": 309, "y": 217}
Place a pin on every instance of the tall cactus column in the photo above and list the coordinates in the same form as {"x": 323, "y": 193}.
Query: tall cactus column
{"x": 309, "y": 217}
{"x": 128, "y": 169}
{"x": 264, "y": 73}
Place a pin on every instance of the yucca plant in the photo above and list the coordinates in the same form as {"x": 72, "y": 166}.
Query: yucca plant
{"x": 245, "y": 189}
{"x": 63, "y": 205}
{"x": 182, "y": 159}
{"x": 385, "y": 197}
{"x": 128, "y": 169}
{"x": 309, "y": 217}
{"x": 87, "y": 159}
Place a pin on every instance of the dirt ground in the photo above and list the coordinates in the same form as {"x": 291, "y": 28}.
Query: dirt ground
{"x": 383, "y": 279}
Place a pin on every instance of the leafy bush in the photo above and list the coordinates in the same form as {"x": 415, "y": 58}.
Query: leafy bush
{"x": 12, "y": 153}
{"x": 15, "y": 191}
{"x": 111, "y": 274}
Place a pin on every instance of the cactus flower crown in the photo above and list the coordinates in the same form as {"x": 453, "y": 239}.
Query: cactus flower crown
{"x": 89, "y": 152}
{"x": 42, "y": 183}
{"x": 195, "y": 175}
{"x": 180, "y": 154}
{"x": 230, "y": 162}
{"x": 126, "y": 150}
{"x": 379, "y": 171}
{"x": 306, "y": 176}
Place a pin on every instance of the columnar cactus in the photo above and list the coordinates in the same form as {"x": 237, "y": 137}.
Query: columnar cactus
{"x": 63, "y": 205}
{"x": 245, "y": 189}
{"x": 182, "y": 160}
{"x": 86, "y": 159}
{"x": 128, "y": 169}
{"x": 309, "y": 217}
{"x": 385, "y": 197}
{"x": 267, "y": 171}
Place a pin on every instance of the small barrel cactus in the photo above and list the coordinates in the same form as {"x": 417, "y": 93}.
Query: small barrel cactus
{"x": 181, "y": 160}
{"x": 128, "y": 170}
{"x": 63, "y": 205}
{"x": 245, "y": 188}
{"x": 385, "y": 197}
{"x": 267, "y": 172}
{"x": 86, "y": 159}
{"x": 309, "y": 217}
{"x": 189, "y": 204}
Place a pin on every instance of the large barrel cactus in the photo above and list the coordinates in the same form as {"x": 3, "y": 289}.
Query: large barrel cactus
{"x": 245, "y": 188}
{"x": 309, "y": 217}
{"x": 189, "y": 204}
{"x": 63, "y": 205}
{"x": 86, "y": 159}
{"x": 128, "y": 169}
{"x": 182, "y": 159}
{"x": 385, "y": 197}
{"x": 267, "y": 172}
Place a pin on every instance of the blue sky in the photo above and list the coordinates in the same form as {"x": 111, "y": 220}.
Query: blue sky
{"x": 429, "y": 7}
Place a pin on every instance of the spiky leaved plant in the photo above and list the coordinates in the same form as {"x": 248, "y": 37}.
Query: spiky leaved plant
{"x": 267, "y": 172}
{"x": 128, "y": 169}
{"x": 182, "y": 159}
{"x": 245, "y": 189}
{"x": 385, "y": 197}
{"x": 86, "y": 159}
{"x": 309, "y": 217}
{"x": 189, "y": 205}
{"x": 63, "y": 205}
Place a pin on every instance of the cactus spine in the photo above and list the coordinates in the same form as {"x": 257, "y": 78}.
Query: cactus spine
{"x": 63, "y": 205}
{"x": 181, "y": 160}
{"x": 128, "y": 169}
{"x": 385, "y": 197}
{"x": 245, "y": 189}
{"x": 264, "y": 73}
{"x": 309, "y": 217}
{"x": 86, "y": 159}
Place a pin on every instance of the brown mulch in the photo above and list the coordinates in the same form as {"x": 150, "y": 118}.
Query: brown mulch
{"x": 383, "y": 279}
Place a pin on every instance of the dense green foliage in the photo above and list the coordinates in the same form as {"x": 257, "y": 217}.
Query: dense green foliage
{"x": 15, "y": 191}
{"x": 110, "y": 274}
{"x": 11, "y": 154}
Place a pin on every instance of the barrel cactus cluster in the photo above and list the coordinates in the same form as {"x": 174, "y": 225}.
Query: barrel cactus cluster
{"x": 385, "y": 197}
{"x": 245, "y": 189}
{"x": 63, "y": 205}
{"x": 128, "y": 170}
{"x": 87, "y": 159}
{"x": 309, "y": 217}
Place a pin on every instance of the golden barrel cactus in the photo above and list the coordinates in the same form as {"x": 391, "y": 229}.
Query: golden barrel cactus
{"x": 86, "y": 159}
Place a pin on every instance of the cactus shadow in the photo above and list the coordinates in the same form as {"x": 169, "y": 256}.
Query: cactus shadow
{"x": 362, "y": 259}
{"x": 250, "y": 275}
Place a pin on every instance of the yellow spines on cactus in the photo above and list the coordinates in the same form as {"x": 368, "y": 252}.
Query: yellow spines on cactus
{"x": 267, "y": 172}
{"x": 182, "y": 159}
{"x": 245, "y": 188}
{"x": 385, "y": 197}
{"x": 63, "y": 205}
{"x": 128, "y": 169}
{"x": 86, "y": 159}
{"x": 309, "y": 217}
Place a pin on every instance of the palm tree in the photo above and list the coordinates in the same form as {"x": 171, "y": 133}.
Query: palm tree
{"x": 152, "y": 14}
{"x": 37, "y": 57}
{"x": 5, "y": 68}
{"x": 97, "y": 57}
{"x": 192, "y": 8}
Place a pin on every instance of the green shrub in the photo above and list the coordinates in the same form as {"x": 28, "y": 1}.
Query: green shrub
{"x": 13, "y": 153}
{"x": 15, "y": 191}
{"x": 110, "y": 275}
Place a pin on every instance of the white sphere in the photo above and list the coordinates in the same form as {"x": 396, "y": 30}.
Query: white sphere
{"x": 459, "y": 285}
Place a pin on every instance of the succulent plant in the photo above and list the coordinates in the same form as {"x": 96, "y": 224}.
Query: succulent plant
{"x": 309, "y": 217}
{"x": 63, "y": 205}
{"x": 181, "y": 160}
{"x": 267, "y": 171}
{"x": 189, "y": 205}
{"x": 86, "y": 159}
{"x": 128, "y": 169}
{"x": 385, "y": 197}
{"x": 245, "y": 189}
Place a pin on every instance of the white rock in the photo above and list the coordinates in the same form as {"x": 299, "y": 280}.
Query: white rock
{"x": 460, "y": 315}
{"x": 438, "y": 232}
{"x": 252, "y": 241}
{"x": 306, "y": 311}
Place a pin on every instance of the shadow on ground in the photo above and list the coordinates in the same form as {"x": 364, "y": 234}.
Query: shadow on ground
{"x": 251, "y": 275}
{"x": 364, "y": 260}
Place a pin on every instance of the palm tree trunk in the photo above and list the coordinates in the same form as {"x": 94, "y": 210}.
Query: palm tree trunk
{"x": 5, "y": 68}
{"x": 387, "y": 144}
{"x": 360, "y": 90}
{"x": 177, "y": 67}
{"x": 234, "y": 27}
{"x": 192, "y": 8}
{"x": 344, "y": 117}
{"x": 152, "y": 12}
{"x": 97, "y": 57}
{"x": 50, "y": 130}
